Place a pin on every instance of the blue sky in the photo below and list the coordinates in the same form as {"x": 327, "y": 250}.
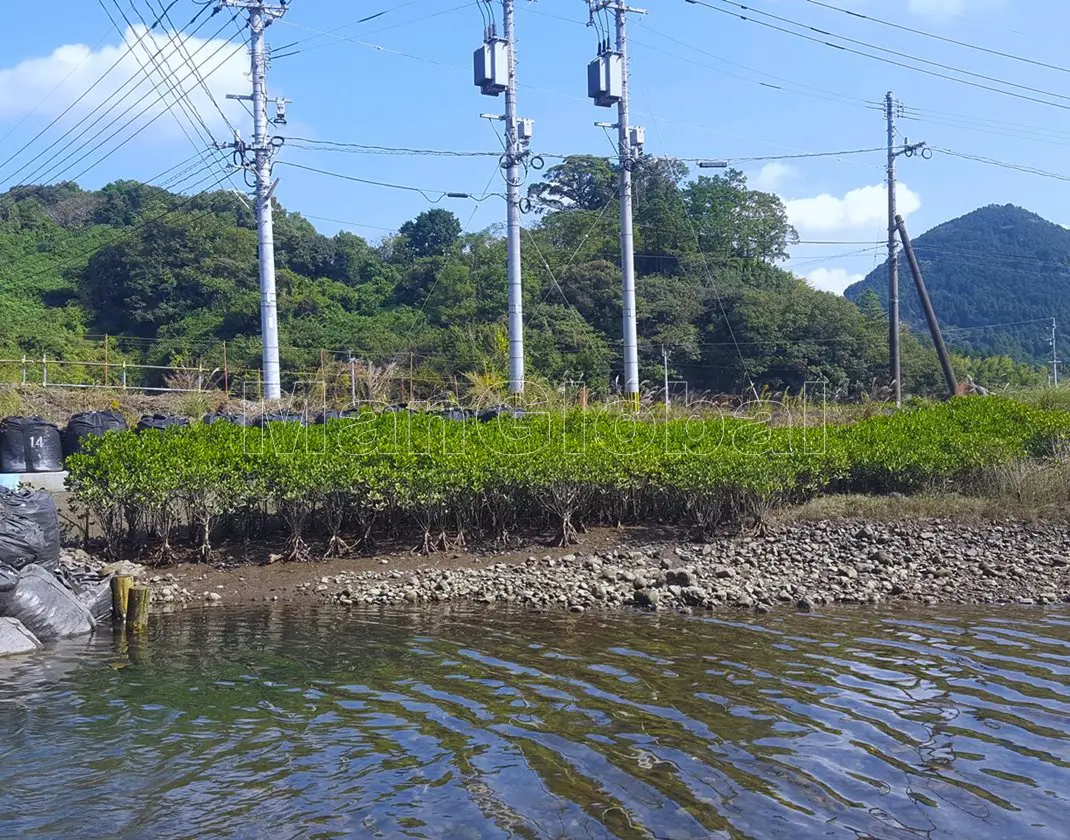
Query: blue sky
{"x": 705, "y": 85}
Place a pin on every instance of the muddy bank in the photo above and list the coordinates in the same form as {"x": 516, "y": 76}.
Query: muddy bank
{"x": 798, "y": 566}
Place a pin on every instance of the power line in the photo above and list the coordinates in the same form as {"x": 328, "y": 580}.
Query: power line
{"x": 48, "y": 165}
{"x": 130, "y": 47}
{"x": 426, "y": 193}
{"x": 50, "y": 171}
{"x": 892, "y": 52}
{"x": 1018, "y": 167}
{"x": 181, "y": 101}
{"x": 890, "y": 61}
{"x": 943, "y": 38}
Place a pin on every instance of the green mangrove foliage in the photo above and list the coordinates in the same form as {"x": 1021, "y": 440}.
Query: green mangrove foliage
{"x": 445, "y": 483}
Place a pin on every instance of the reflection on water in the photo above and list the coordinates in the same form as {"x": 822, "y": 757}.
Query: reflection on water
{"x": 454, "y": 723}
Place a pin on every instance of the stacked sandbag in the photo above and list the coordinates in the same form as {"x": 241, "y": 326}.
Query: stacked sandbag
{"x": 276, "y": 417}
{"x": 21, "y": 542}
{"x": 42, "y": 604}
{"x": 90, "y": 424}
{"x": 30, "y": 444}
{"x": 491, "y": 414}
{"x": 332, "y": 414}
{"x": 225, "y": 417}
{"x": 29, "y": 523}
{"x": 160, "y": 421}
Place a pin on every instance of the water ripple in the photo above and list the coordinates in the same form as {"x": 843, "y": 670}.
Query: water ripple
{"x": 454, "y": 723}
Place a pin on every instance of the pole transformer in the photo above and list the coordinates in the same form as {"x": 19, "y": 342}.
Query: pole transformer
{"x": 262, "y": 150}
{"x": 607, "y": 85}
{"x": 495, "y": 73}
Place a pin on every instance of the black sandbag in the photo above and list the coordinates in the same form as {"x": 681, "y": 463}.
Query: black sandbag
{"x": 9, "y": 578}
{"x": 277, "y": 417}
{"x": 90, "y": 424}
{"x": 38, "y": 507}
{"x": 44, "y": 446}
{"x": 21, "y": 542}
{"x": 455, "y": 413}
{"x": 160, "y": 421}
{"x": 226, "y": 417}
{"x": 332, "y": 414}
{"x": 97, "y": 599}
{"x": 501, "y": 411}
{"x": 13, "y": 445}
{"x": 45, "y": 607}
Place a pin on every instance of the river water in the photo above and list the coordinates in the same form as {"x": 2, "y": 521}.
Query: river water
{"x": 459, "y": 723}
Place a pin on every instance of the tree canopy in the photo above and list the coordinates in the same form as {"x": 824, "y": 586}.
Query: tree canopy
{"x": 167, "y": 276}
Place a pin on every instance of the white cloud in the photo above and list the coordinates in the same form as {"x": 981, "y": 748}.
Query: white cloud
{"x": 861, "y": 208}
{"x": 772, "y": 176}
{"x": 146, "y": 66}
{"x": 832, "y": 279}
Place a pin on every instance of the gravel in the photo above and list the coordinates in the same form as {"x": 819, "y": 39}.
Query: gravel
{"x": 802, "y": 566}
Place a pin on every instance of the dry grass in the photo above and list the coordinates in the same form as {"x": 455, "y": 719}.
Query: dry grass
{"x": 1024, "y": 490}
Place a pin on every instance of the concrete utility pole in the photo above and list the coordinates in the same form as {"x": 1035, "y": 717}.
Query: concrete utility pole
{"x": 611, "y": 87}
{"x": 263, "y": 148}
{"x": 890, "y": 109}
{"x": 1054, "y": 356}
{"x": 665, "y": 368}
{"x": 893, "y": 259}
{"x": 512, "y": 200}
{"x": 495, "y": 72}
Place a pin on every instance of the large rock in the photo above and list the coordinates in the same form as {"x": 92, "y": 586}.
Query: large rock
{"x": 15, "y": 638}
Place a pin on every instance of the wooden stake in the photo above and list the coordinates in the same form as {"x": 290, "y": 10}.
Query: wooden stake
{"x": 137, "y": 616}
{"x": 120, "y": 591}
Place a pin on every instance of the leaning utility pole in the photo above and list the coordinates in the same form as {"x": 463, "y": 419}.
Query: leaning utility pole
{"x": 495, "y": 72}
{"x": 607, "y": 84}
{"x": 262, "y": 15}
{"x": 890, "y": 108}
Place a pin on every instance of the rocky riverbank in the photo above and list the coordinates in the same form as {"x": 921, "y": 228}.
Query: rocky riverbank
{"x": 802, "y": 566}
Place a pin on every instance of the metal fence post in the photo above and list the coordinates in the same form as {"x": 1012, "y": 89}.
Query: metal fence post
{"x": 44, "y": 370}
{"x": 23, "y": 370}
{"x": 124, "y": 376}
{"x": 353, "y": 379}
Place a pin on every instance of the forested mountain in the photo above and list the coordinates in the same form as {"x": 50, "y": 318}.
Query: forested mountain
{"x": 998, "y": 265}
{"x": 169, "y": 278}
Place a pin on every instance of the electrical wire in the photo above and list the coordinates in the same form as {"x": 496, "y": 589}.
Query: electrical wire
{"x": 89, "y": 53}
{"x": 1018, "y": 167}
{"x": 189, "y": 59}
{"x": 814, "y": 92}
{"x": 87, "y": 91}
{"x": 890, "y": 61}
{"x": 104, "y": 109}
{"x": 943, "y": 38}
{"x": 426, "y": 193}
{"x": 64, "y": 165}
{"x": 899, "y": 53}
{"x": 194, "y": 117}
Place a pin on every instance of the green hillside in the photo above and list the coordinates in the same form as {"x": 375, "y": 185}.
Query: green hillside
{"x": 996, "y": 266}
{"x": 168, "y": 278}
